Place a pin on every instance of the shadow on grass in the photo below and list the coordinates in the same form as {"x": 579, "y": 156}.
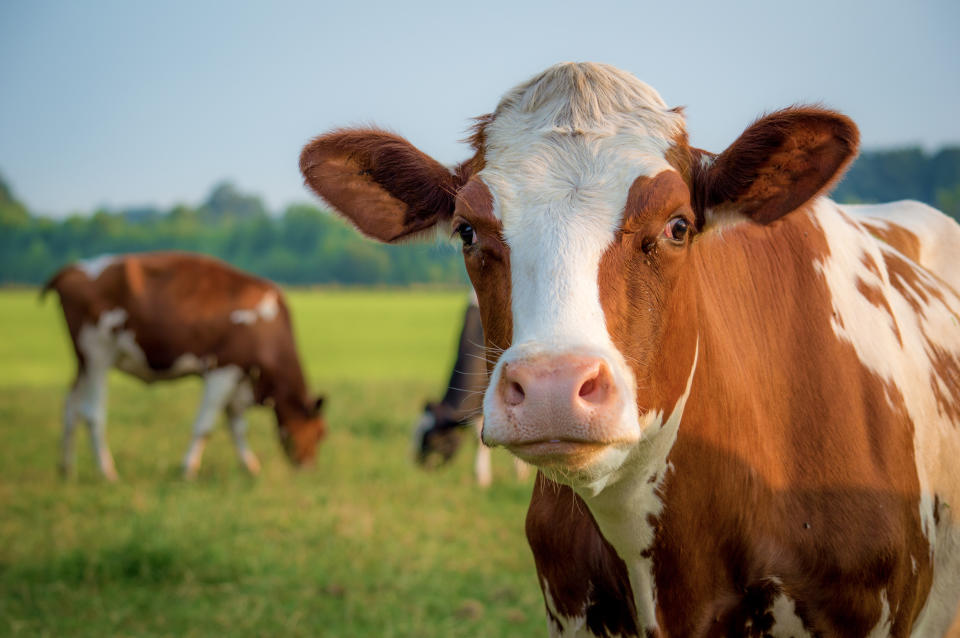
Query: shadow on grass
{"x": 137, "y": 560}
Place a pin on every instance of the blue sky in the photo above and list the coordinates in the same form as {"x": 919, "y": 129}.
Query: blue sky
{"x": 128, "y": 103}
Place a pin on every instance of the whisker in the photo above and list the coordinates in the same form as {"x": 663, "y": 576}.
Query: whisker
{"x": 484, "y": 373}
{"x": 468, "y": 391}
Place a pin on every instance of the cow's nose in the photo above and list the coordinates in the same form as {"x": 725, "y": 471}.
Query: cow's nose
{"x": 563, "y": 387}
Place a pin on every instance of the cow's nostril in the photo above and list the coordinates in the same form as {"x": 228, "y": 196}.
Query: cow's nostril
{"x": 587, "y": 388}
{"x": 514, "y": 393}
{"x": 595, "y": 389}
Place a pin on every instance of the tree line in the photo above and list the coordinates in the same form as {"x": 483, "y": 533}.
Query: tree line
{"x": 302, "y": 245}
{"x": 305, "y": 245}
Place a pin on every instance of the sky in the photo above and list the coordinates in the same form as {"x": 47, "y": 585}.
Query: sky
{"x": 119, "y": 104}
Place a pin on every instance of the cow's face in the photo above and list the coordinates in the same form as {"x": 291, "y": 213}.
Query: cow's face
{"x": 556, "y": 226}
{"x": 580, "y": 217}
{"x": 436, "y": 437}
{"x": 576, "y": 285}
{"x": 301, "y": 430}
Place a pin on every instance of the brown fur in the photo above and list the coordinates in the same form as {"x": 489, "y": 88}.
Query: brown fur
{"x": 898, "y": 237}
{"x": 487, "y": 261}
{"x": 835, "y": 522}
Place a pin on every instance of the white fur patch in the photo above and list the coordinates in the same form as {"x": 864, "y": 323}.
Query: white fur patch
{"x": 267, "y": 310}
{"x": 786, "y": 622}
{"x": 905, "y": 363}
{"x": 938, "y": 234}
{"x": 571, "y": 626}
{"x": 883, "y": 626}
{"x": 98, "y": 341}
{"x": 243, "y": 317}
{"x": 93, "y": 267}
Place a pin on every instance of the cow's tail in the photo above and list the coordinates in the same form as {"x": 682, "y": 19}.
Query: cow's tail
{"x": 53, "y": 282}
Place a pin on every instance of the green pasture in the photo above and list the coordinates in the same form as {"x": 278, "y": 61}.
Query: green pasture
{"x": 364, "y": 544}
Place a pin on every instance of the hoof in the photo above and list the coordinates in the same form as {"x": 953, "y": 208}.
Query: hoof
{"x": 251, "y": 464}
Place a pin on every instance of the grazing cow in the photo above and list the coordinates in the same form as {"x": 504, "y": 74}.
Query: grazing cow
{"x": 436, "y": 437}
{"x": 743, "y": 398}
{"x": 163, "y": 316}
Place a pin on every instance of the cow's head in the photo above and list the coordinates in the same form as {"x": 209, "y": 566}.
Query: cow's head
{"x": 581, "y": 214}
{"x": 301, "y": 426}
{"x": 436, "y": 437}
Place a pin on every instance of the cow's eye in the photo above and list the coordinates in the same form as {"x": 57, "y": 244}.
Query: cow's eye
{"x": 676, "y": 229}
{"x": 467, "y": 234}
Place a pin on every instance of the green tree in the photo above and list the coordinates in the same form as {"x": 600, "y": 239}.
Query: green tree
{"x": 226, "y": 201}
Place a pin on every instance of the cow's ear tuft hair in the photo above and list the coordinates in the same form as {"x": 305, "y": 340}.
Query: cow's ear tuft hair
{"x": 779, "y": 163}
{"x": 385, "y": 186}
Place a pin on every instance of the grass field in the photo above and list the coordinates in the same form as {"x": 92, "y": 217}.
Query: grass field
{"x": 364, "y": 544}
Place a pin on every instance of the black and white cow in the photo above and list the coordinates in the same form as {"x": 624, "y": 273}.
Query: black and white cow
{"x": 437, "y": 435}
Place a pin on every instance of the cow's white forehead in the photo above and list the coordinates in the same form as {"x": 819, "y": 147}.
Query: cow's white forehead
{"x": 580, "y": 98}
{"x": 573, "y": 139}
{"x": 561, "y": 153}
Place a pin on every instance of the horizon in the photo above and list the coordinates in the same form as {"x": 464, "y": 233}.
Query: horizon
{"x": 309, "y": 199}
{"x": 115, "y": 106}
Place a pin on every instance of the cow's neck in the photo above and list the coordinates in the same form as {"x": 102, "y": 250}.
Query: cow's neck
{"x": 626, "y": 505}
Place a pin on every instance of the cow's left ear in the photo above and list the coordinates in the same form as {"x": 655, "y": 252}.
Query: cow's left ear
{"x": 379, "y": 181}
{"x": 779, "y": 163}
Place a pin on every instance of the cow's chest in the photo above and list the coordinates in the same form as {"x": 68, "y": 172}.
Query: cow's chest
{"x": 758, "y": 612}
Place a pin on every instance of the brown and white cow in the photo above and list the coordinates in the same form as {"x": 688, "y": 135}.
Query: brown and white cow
{"x": 162, "y": 316}
{"x": 743, "y": 398}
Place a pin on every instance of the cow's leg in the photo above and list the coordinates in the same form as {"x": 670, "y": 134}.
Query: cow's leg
{"x": 96, "y": 351}
{"x": 522, "y": 469}
{"x": 89, "y": 398}
{"x": 481, "y": 465}
{"x": 219, "y": 386}
{"x": 71, "y": 414}
{"x": 240, "y": 400}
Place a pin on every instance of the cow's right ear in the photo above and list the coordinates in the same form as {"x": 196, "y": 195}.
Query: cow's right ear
{"x": 379, "y": 181}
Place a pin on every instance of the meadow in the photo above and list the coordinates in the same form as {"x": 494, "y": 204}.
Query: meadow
{"x": 363, "y": 544}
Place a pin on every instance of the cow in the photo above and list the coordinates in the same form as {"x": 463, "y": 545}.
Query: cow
{"x": 166, "y": 315}
{"x": 743, "y": 399}
{"x": 436, "y": 436}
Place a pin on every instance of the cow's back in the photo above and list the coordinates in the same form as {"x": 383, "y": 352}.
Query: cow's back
{"x": 920, "y": 232}
{"x": 176, "y": 304}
